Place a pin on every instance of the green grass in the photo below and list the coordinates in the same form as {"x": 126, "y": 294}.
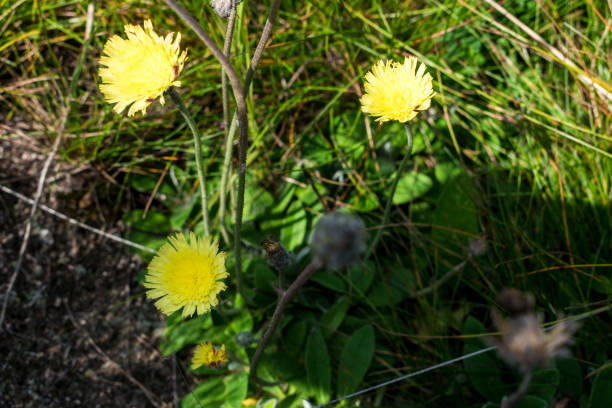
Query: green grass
{"x": 515, "y": 149}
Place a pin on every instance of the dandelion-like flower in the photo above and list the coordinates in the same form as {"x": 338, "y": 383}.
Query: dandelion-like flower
{"x": 137, "y": 70}
{"x": 395, "y": 91}
{"x": 206, "y": 354}
{"x": 186, "y": 275}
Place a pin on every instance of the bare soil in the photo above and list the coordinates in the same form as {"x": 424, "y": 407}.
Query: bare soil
{"x": 78, "y": 325}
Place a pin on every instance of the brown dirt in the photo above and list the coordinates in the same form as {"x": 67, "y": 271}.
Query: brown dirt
{"x": 74, "y": 287}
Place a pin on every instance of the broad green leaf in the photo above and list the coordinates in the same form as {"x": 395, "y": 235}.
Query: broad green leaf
{"x": 257, "y": 202}
{"x": 570, "y": 377}
{"x": 295, "y": 333}
{"x": 601, "y": 393}
{"x": 529, "y": 401}
{"x": 456, "y": 214}
{"x": 294, "y": 226}
{"x": 361, "y": 275}
{"x": 318, "y": 369}
{"x": 210, "y": 393}
{"x": 330, "y": 280}
{"x": 271, "y": 403}
{"x": 235, "y": 389}
{"x": 395, "y": 286}
{"x": 184, "y": 333}
{"x": 411, "y": 186}
{"x": 544, "y": 383}
{"x": 355, "y": 359}
{"x": 332, "y": 318}
{"x": 483, "y": 370}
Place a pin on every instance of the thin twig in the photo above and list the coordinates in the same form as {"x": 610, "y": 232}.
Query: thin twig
{"x": 75, "y": 222}
{"x": 302, "y": 278}
{"x": 153, "y": 399}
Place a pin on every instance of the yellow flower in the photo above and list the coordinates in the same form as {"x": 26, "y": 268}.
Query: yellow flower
{"x": 395, "y": 91}
{"x": 140, "y": 69}
{"x": 206, "y": 354}
{"x": 186, "y": 275}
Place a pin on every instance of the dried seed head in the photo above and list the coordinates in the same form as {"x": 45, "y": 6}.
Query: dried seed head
{"x": 338, "y": 240}
{"x": 515, "y": 302}
{"x": 523, "y": 342}
{"x": 223, "y": 7}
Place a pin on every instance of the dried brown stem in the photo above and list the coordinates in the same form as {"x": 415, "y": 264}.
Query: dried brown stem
{"x": 302, "y": 278}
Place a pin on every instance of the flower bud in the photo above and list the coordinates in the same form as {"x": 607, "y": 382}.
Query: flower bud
{"x": 338, "y": 240}
{"x": 223, "y": 7}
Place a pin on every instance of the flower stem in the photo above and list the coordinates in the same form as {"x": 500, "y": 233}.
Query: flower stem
{"x": 302, "y": 278}
{"x": 229, "y": 32}
{"x": 511, "y": 401}
{"x": 198, "y": 156}
{"x": 398, "y": 175}
{"x": 261, "y": 45}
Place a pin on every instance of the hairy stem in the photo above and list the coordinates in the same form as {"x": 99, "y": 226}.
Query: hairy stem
{"x": 241, "y": 109}
{"x": 302, "y": 278}
{"x": 261, "y": 45}
{"x": 197, "y": 145}
{"x": 229, "y": 33}
{"x": 398, "y": 175}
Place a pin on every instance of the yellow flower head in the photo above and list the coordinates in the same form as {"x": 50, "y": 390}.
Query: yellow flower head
{"x": 140, "y": 69}
{"x": 186, "y": 275}
{"x": 206, "y": 354}
{"x": 395, "y": 91}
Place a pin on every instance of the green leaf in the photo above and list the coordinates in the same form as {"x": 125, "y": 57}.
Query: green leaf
{"x": 257, "y": 202}
{"x": 294, "y": 337}
{"x": 411, "y": 186}
{"x": 355, "y": 359}
{"x": 482, "y": 370}
{"x": 455, "y": 214}
{"x": 392, "y": 288}
{"x": 184, "y": 333}
{"x": 235, "y": 389}
{"x": 330, "y": 280}
{"x": 601, "y": 393}
{"x": 544, "y": 383}
{"x": 294, "y": 227}
{"x": 334, "y": 316}
{"x": 529, "y": 401}
{"x": 271, "y": 403}
{"x": 570, "y": 377}
{"x": 361, "y": 200}
{"x": 210, "y": 393}
{"x": 361, "y": 275}
{"x": 318, "y": 369}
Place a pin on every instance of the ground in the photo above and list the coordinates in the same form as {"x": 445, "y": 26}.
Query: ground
{"x": 75, "y": 288}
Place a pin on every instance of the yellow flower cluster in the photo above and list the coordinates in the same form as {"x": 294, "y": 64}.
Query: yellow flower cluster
{"x": 206, "y": 354}
{"x": 186, "y": 275}
{"x": 395, "y": 91}
{"x": 139, "y": 69}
